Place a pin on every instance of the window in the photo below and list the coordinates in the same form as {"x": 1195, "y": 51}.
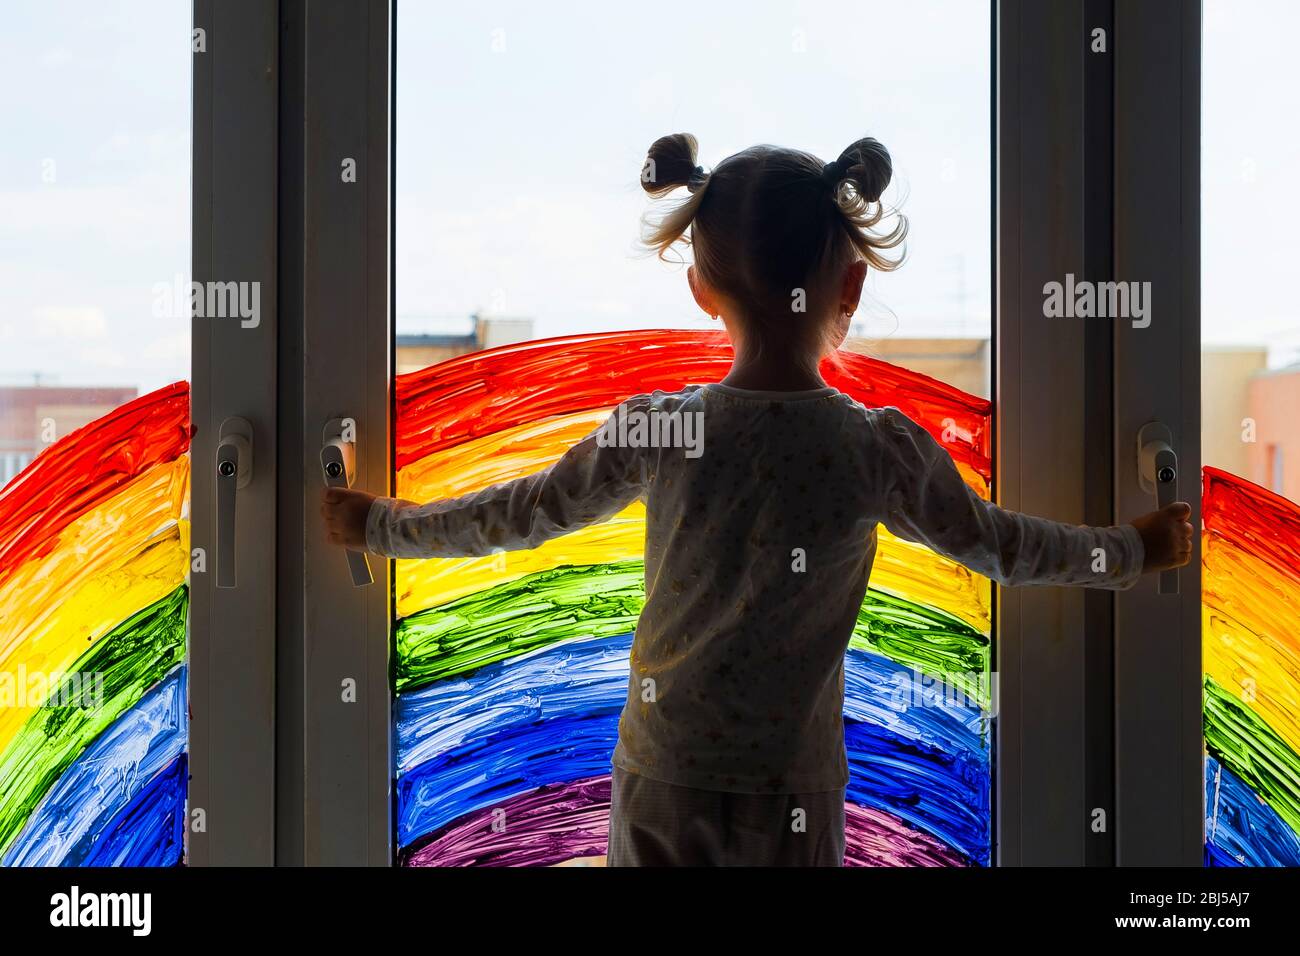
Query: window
{"x": 517, "y": 202}
{"x": 94, "y": 433}
{"x": 1251, "y": 389}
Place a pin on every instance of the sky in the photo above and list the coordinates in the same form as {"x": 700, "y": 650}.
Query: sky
{"x": 96, "y": 96}
{"x": 540, "y": 125}
{"x": 520, "y": 137}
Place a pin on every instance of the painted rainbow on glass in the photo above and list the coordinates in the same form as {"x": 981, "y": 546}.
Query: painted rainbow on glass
{"x": 1250, "y": 594}
{"x": 94, "y": 551}
{"x": 510, "y": 670}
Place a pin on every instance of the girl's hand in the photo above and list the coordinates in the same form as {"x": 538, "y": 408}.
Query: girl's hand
{"x": 1167, "y": 537}
{"x": 345, "y": 511}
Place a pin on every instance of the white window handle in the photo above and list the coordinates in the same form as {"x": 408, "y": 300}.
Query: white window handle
{"x": 1158, "y": 475}
{"x": 234, "y": 471}
{"x": 338, "y": 467}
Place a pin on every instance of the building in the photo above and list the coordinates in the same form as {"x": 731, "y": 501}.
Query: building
{"x": 1250, "y": 417}
{"x": 1226, "y": 374}
{"x": 417, "y": 351}
{"x": 1273, "y": 458}
{"x": 962, "y": 362}
{"x": 34, "y": 416}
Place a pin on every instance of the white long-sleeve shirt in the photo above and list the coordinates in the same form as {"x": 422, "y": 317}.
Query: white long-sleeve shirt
{"x": 760, "y": 536}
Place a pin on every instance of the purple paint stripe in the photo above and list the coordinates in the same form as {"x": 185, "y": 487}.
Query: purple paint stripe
{"x": 558, "y": 823}
{"x": 540, "y": 828}
{"x": 876, "y": 838}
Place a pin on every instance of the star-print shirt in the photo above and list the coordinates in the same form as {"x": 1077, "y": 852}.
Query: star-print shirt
{"x": 761, "y": 517}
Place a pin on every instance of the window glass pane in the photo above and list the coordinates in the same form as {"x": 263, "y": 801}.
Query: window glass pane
{"x": 521, "y": 137}
{"x": 1250, "y": 433}
{"x": 94, "y": 431}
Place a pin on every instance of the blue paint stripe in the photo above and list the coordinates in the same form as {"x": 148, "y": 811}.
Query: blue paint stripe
{"x": 1241, "y": 829}
{"x": 148, "y": 831}
{"x": 937, "y": 791}
{"x": 548, "y": 719}
{"x": 105, "y": 778}
{"x": 590, "y": 676}
{"x": 941, "y": 795}
{"x": 501, "y": 765}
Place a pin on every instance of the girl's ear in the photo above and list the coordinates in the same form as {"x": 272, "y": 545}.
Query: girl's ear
{"x": 703, "y": 298}
{"x": 851, "y": 288}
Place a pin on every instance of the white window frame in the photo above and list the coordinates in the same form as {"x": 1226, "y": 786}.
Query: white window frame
{"x": 1099, "y": 694}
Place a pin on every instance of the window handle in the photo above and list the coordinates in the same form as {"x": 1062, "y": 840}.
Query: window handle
{"x": 234, "y": 471}
{"x": 338, "y": 467}
{"x": 1158, "y": 475}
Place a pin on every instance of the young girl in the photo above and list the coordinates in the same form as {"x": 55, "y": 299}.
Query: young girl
{"x": 734, "y": 712}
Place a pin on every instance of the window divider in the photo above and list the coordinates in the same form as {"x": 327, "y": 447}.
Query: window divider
{"x": 232, "y": 678}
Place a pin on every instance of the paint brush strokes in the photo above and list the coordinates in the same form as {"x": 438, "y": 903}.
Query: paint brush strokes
{"x": 574, "y": 677}
{"x": 121, "y": 763}
{"x": 552, "y": 825}
{"x": 1237, "y": 737}
{"x": 87, "y": 467}
{"x": 510, "y": 670}
{"x": 1241, "y": 829}
{"x": 902, "y": 567}
{"x": 134, "y": 657}
{"x": 129, "y": 553}
{"x": 551, "y": 716}
{"x": 941, "y": 794}
{"x": 605, "y": 600}
{"x": 1251, "y": 648}
{"x": 94, "y": 552}
{"x": 483, "y": 392}
{"x": 150, "y": 830}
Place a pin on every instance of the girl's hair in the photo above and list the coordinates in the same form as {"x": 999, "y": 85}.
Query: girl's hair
{"x": 770, "y": 221}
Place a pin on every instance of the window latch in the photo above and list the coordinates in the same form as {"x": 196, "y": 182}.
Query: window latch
{"x": 1158, "y": 476}
{"x": 234, "y": 471}
{"x": 338, "y": 467}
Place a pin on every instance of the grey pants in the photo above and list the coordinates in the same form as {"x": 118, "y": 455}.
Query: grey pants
{"x": 658, "y": 824}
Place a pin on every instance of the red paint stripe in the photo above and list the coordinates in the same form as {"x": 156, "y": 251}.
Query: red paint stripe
{"x": 477, "y": 394}
{"x": 1252, "y": 518}
{"x": 87, "y": 466}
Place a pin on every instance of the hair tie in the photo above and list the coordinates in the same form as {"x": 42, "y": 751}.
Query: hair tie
{"x": 832, "y": 173}
{"x": 697, "y": 179}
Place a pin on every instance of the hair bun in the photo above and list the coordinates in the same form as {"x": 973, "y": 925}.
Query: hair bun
{"x": 866, "y": 164}
{"x": 671, "y": 163}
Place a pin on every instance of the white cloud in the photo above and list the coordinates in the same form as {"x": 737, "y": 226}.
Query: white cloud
{"x": 171, "y": 349}
{"x": 102, "y": 357}
{"x": 71, "y": 322}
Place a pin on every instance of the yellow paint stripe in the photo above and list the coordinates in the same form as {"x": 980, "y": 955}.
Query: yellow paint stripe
{"x": 501, "y": 456}
{"x": 909, "y": 570}
{"x": 1249, "y": 641}
{"x": 126, "y": 554}
{"x": 507, "y": 454}
{"x": 906, "y": 569}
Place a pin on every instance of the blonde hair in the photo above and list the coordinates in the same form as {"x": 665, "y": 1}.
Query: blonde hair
{"x": 769, "y": 221}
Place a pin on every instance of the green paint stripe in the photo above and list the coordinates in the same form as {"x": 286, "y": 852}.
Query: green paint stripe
{"x": 601, "y": 600}
{"x": 1241, "y": 740}
{"x": 929, "y": 640}
{"x": 131, "y": 658}
{"x": 604, "y": 600}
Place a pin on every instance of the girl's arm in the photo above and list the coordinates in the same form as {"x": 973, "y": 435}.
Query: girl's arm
{"x": 588, "y": 484}
{"x": 926, "y": 500}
